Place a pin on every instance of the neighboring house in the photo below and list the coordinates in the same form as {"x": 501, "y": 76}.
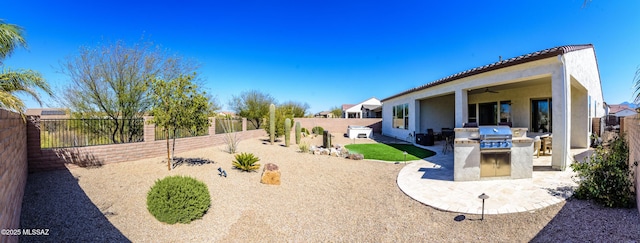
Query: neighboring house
{"x": 621, "y": 110}
{"x": 371, "y": 108}
{"x": 554, "y": 90}
{"x": 49, "y": 113}
{"x": 324, "y": 114}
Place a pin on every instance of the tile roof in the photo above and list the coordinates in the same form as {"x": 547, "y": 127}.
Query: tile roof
{"x": 534, "y": 56}
{"x": 347, "y": 106}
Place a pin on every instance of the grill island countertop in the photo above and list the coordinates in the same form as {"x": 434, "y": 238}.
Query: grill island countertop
{"x": 495, "y": 137}
{"x": 471, "y": 143}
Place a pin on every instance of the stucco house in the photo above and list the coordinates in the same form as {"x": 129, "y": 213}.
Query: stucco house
{"x": 49, "y": 113}
{"x": 370, "y": 108}
{"x": 324, "y": 114}
{"x": 556, "y": 90}
{"x": 621, "y": 110}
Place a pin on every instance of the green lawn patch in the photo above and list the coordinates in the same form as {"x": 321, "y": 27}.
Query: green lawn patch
{"x": 389, "y": 152}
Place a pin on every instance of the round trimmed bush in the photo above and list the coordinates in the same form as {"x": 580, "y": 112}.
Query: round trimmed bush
{"x": 178, "y": 199}
{"x": 317, "y": 130}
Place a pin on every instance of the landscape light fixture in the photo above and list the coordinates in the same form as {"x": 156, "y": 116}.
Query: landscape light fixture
{"x": 405, "y": 156}
{"x": 483, "y": 197}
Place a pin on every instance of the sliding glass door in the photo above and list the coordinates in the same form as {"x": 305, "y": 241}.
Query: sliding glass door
{"x": 541, "y": 115}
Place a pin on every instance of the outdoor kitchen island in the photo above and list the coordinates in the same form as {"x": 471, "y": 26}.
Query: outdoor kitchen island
{"x": 492, "y": 152}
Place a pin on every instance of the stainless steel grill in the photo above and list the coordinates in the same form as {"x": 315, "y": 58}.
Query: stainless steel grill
{"x": 495, "y": 151}
{"x": 495, "y": 137}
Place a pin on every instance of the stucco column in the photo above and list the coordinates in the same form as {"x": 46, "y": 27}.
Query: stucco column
{"x": 461, "y": 105}
{"x": 416, "y": 117}
{"x": 561, "y": 116}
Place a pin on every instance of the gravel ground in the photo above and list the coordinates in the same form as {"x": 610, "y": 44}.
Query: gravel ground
{"x": 321, "y": 199}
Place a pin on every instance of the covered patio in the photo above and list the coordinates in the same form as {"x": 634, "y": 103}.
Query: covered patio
{"x": 553, "y": 92}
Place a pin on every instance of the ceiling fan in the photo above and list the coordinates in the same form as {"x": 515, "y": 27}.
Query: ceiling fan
{"x": 487, "y": 90}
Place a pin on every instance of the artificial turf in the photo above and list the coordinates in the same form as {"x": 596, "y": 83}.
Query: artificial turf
{"x": 389, "y": 152}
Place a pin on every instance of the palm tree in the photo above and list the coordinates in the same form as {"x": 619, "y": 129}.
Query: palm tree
{"x": 17, "y": 81}
{"x": 636, "y": 79}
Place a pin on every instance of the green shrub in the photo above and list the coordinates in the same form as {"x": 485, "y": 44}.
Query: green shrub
{"x": 304, "y": 147}
{"x": 305, "y": 131}
{"x": 317, "y": 130}
{"x": 178, "y": 199}
{"x": 246, "y": 162}
{"x": 606, "y": 176}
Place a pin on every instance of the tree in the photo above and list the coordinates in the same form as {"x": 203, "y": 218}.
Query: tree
{"x": 298, "y": 109}
{"x": 253, "y": 105}
{"x": 336, "y": 111}
{"x": 178, "y": 104}
{"x": 17, "y": 81}
{"x": 112, "y": 81}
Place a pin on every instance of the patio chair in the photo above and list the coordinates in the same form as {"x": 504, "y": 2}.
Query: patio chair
{"x": 537, "y": 146}
{"x": 449, "y": 136}
{"x": 546, "y": 144}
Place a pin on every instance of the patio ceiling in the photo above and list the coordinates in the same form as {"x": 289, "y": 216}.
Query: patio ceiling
{"x": 514, "y": 85}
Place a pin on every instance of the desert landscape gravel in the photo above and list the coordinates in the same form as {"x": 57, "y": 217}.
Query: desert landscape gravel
{"x": 321, "y": 199}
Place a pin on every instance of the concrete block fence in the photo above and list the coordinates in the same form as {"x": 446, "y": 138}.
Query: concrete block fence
{"x": 59, "y": 158}
{"x": 13, "y": 171}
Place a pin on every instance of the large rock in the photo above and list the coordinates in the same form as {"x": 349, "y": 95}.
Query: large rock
{"x": 334, "y": 151}
{"x": 270, "y": 174}
{"x": 356, "y": 156}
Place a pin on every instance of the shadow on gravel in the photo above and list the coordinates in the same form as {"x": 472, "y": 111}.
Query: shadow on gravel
{"x": 585, "y": 221}
{"x": 55, "y": 202}
{"x": 178, "y": 161}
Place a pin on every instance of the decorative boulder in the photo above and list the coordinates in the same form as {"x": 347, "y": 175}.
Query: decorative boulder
{"x": 356, "y": 156}
{"x": 270, "y": 174}
{"x": 344, "y": 152}
{"x": 324, "y": 151}
{"x": 334, "y": 151}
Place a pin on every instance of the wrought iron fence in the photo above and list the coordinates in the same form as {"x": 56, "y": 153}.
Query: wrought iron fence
{"x": 64, "y": 133}
{"x": 232, "y": 125}
{"x": 251, "y": 126}
{"x": 160, "y": 134}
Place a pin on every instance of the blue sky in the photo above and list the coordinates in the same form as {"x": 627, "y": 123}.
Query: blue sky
{"x": 319, "y": 52}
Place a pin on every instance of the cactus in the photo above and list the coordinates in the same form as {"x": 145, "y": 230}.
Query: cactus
{"x": 287, "y": 131}
{"x": 272, "y": 123}
{"x": 298, "y": 131}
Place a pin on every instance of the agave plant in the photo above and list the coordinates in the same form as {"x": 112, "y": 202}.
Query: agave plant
{"x": 246, "y": 162}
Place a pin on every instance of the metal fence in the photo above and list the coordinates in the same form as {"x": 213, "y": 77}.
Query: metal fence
{"x": 251, "y": 126}
{"x": 64, "y": 133}
{"x": 160, "y": 134}
{"x": 232, "y": 125}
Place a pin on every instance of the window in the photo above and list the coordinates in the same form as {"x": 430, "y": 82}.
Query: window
{"x": 488, "y": 113}
{"x": 472, "y": 113}
{"x": 401, "y": 116}
{"x": 541, "y": 115}
{"x": 505, "y": 111}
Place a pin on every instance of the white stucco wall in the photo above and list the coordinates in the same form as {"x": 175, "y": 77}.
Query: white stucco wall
{"x": 518, "y": 73}
{"x": 583, "y": 67}
{"x": 520, "y": 101}
{"x": 437, "y": 113}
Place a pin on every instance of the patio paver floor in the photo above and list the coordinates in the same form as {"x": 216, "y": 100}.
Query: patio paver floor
{"x": 430, "y": 181}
